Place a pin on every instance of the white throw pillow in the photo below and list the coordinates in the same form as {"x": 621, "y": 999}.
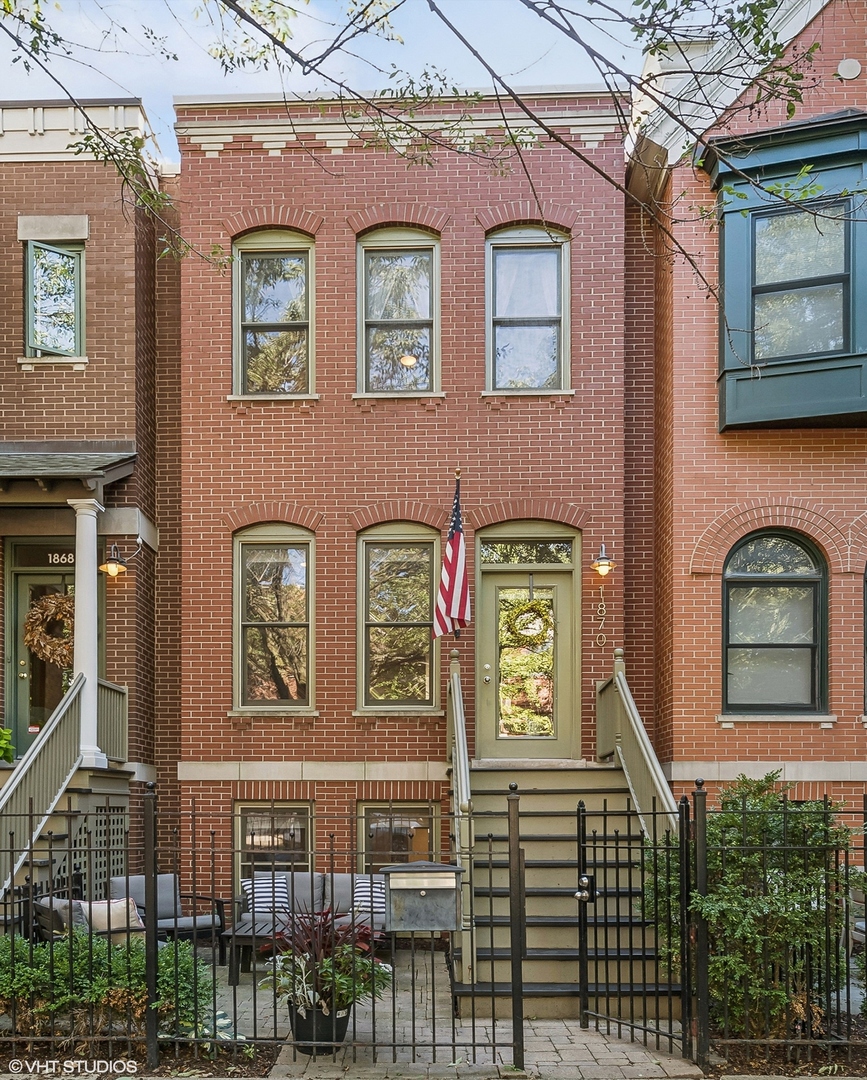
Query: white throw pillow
{"x": 117, "y": 918}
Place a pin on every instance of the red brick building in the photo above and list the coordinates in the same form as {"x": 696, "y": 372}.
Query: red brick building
{"x": 279, "y": 416}
{"x": 381, "y": 325}
{"x": 759, "y": 426}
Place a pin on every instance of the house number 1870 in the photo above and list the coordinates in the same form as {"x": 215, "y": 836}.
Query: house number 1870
{"x": 61, "y": 558}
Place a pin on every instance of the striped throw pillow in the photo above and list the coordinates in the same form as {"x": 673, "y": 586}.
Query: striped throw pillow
{"x": 266, "y": 894}
{"x": 368, "y": 895}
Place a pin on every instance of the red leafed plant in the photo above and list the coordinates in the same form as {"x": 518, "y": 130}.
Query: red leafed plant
{"x": 325, "y": 964}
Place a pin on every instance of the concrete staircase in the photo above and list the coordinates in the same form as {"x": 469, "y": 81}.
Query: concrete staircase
{"x": 549, "y": 795}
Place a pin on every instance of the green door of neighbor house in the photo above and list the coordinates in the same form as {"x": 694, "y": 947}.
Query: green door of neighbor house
{"x": 38, "y": 684}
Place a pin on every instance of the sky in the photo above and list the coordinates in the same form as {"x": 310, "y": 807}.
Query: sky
{"x": 113, "y": 55}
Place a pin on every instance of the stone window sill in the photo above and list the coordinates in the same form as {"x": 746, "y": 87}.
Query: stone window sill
{"x": 30, "y": 363}
{"x": 728, "y": 720}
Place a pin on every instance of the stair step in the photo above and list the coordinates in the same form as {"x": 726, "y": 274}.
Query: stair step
{"x": 481, "y": 863}
{"x": 569, "y": 954}
{"x": 563, "y": 920}
{"x": 504, "y": 989}
{"x": 498, "y": 891}
{"x": 541, "y": 838}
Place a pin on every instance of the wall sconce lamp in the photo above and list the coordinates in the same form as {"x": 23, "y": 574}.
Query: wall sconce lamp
{"x": 115, "y": 564}
{"x": 602, "y": 564}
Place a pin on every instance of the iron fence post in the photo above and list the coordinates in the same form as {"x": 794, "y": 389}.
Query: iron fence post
{"x": 685, "y": 942}
{"x": 583, "y": 956}
{"x": 151, "y": 948}
{"x": 702, "y": 1000}
{"x": 516, "y": 927}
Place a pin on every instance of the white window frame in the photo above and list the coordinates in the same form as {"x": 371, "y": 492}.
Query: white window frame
{"x": 278, "y": 242}
{"x": 399, "y": 532}
{"x": 530, "y": 236}
{"x": 388, "y": 240}
{"x": 272, "y": 534}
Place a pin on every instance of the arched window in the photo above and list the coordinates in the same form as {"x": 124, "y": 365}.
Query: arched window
{"x": 398, "y": 564}
{"x": 274, "y": 618}
{"x": 528, "y": 311}
{"x": 398, "y": 312}
{"x": 273, "y": 325}
{"x": 775, "y": 647}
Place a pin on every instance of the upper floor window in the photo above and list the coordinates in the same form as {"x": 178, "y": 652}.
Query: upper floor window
{"x": 274, "y": 304}
{"x": 55, "y": 289}
{"x": 794, "y": 274}
{"x": 396, "y": 650}
{"x": 528, "y": 310}
{"x": 801, "y": 281}
{"x": 775, "y": 626}
{"x": 274, "y": 617}
{"x": 398, "y": 277}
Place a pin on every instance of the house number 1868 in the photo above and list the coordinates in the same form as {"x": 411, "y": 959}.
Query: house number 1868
{"x": 61, "y": 558}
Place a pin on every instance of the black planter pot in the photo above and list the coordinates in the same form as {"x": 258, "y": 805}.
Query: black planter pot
{"x": 315, "y": 1033}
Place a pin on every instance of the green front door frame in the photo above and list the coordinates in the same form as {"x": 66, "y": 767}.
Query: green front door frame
{"x": 35, "y": 565}
{"x": 534, "y": 678}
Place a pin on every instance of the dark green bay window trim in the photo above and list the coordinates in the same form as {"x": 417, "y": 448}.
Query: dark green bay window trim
{"x": 820, "y": 377}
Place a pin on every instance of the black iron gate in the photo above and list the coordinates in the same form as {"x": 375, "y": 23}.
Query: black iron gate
{"x": 736, "y": 931}
{"x": 630, "y": 983}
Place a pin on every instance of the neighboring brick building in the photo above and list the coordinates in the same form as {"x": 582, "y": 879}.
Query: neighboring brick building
{"x": 78, "y": 413}
{"x": 760, "y": 538}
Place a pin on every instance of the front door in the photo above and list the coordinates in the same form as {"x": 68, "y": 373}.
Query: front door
{"x": 39, "y": 684}
{"x": 527, "y": 679}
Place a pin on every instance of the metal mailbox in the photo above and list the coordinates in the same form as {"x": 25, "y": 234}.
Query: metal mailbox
{"x": 422, "y": 896}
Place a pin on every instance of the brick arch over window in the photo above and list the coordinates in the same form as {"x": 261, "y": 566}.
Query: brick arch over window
{"x": 407, "y": 215}
{"x": 399, "y": 510}
{"x": 858, "y": 544}
{"x": 273, "y": 217}
{"x": 530, "y": 510}
{"x": 716, "y": 542}
{"x": 527, "y": 212}
{"x": 286, "y": 513}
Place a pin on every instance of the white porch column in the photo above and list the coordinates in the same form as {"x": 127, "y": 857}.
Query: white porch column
{"x": 85, "y": 638}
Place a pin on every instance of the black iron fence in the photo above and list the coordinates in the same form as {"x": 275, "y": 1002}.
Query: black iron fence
{"x": 739, "y": 932}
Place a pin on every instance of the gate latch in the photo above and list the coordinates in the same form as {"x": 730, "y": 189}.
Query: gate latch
{"x": 586, "y": 889}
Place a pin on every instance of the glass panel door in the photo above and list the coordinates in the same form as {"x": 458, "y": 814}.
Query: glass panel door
{"x": 39, "y": 683}
{"x": 526, "y": 704}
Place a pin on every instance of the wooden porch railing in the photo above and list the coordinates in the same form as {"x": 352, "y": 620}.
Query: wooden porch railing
{"x": 462, "y": 807}
{"x": 620, "y": 731}
{"x": 112, "y": 730}
{"x": 38, "y": 782}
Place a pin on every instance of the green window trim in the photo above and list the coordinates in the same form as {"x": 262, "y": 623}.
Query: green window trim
{"x": 273, "y": 322}
{"x": 274, "y": 620}
{"x": 54, "y": 290}
{"x": 793, "y": 343}
{"x": 398, "y": 567}
{"x": 398, "y": 313}
{"x": 528, "y": 311}
{"x": 775, "y": 626}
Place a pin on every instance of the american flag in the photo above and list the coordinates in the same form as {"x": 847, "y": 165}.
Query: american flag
{"x": 453, "y": 601}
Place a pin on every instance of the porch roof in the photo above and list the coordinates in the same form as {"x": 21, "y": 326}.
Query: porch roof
{"x": 94, "y": 466}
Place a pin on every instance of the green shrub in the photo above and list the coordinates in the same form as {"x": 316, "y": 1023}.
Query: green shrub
{"x": 83, "y": 983}
{"x": 7, "y": 750}
{"x": 775, "y": 886}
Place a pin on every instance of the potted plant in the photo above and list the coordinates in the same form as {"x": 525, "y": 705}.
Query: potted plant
{"x": 322, "y": 967}
{"x": 7, "y": 750}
